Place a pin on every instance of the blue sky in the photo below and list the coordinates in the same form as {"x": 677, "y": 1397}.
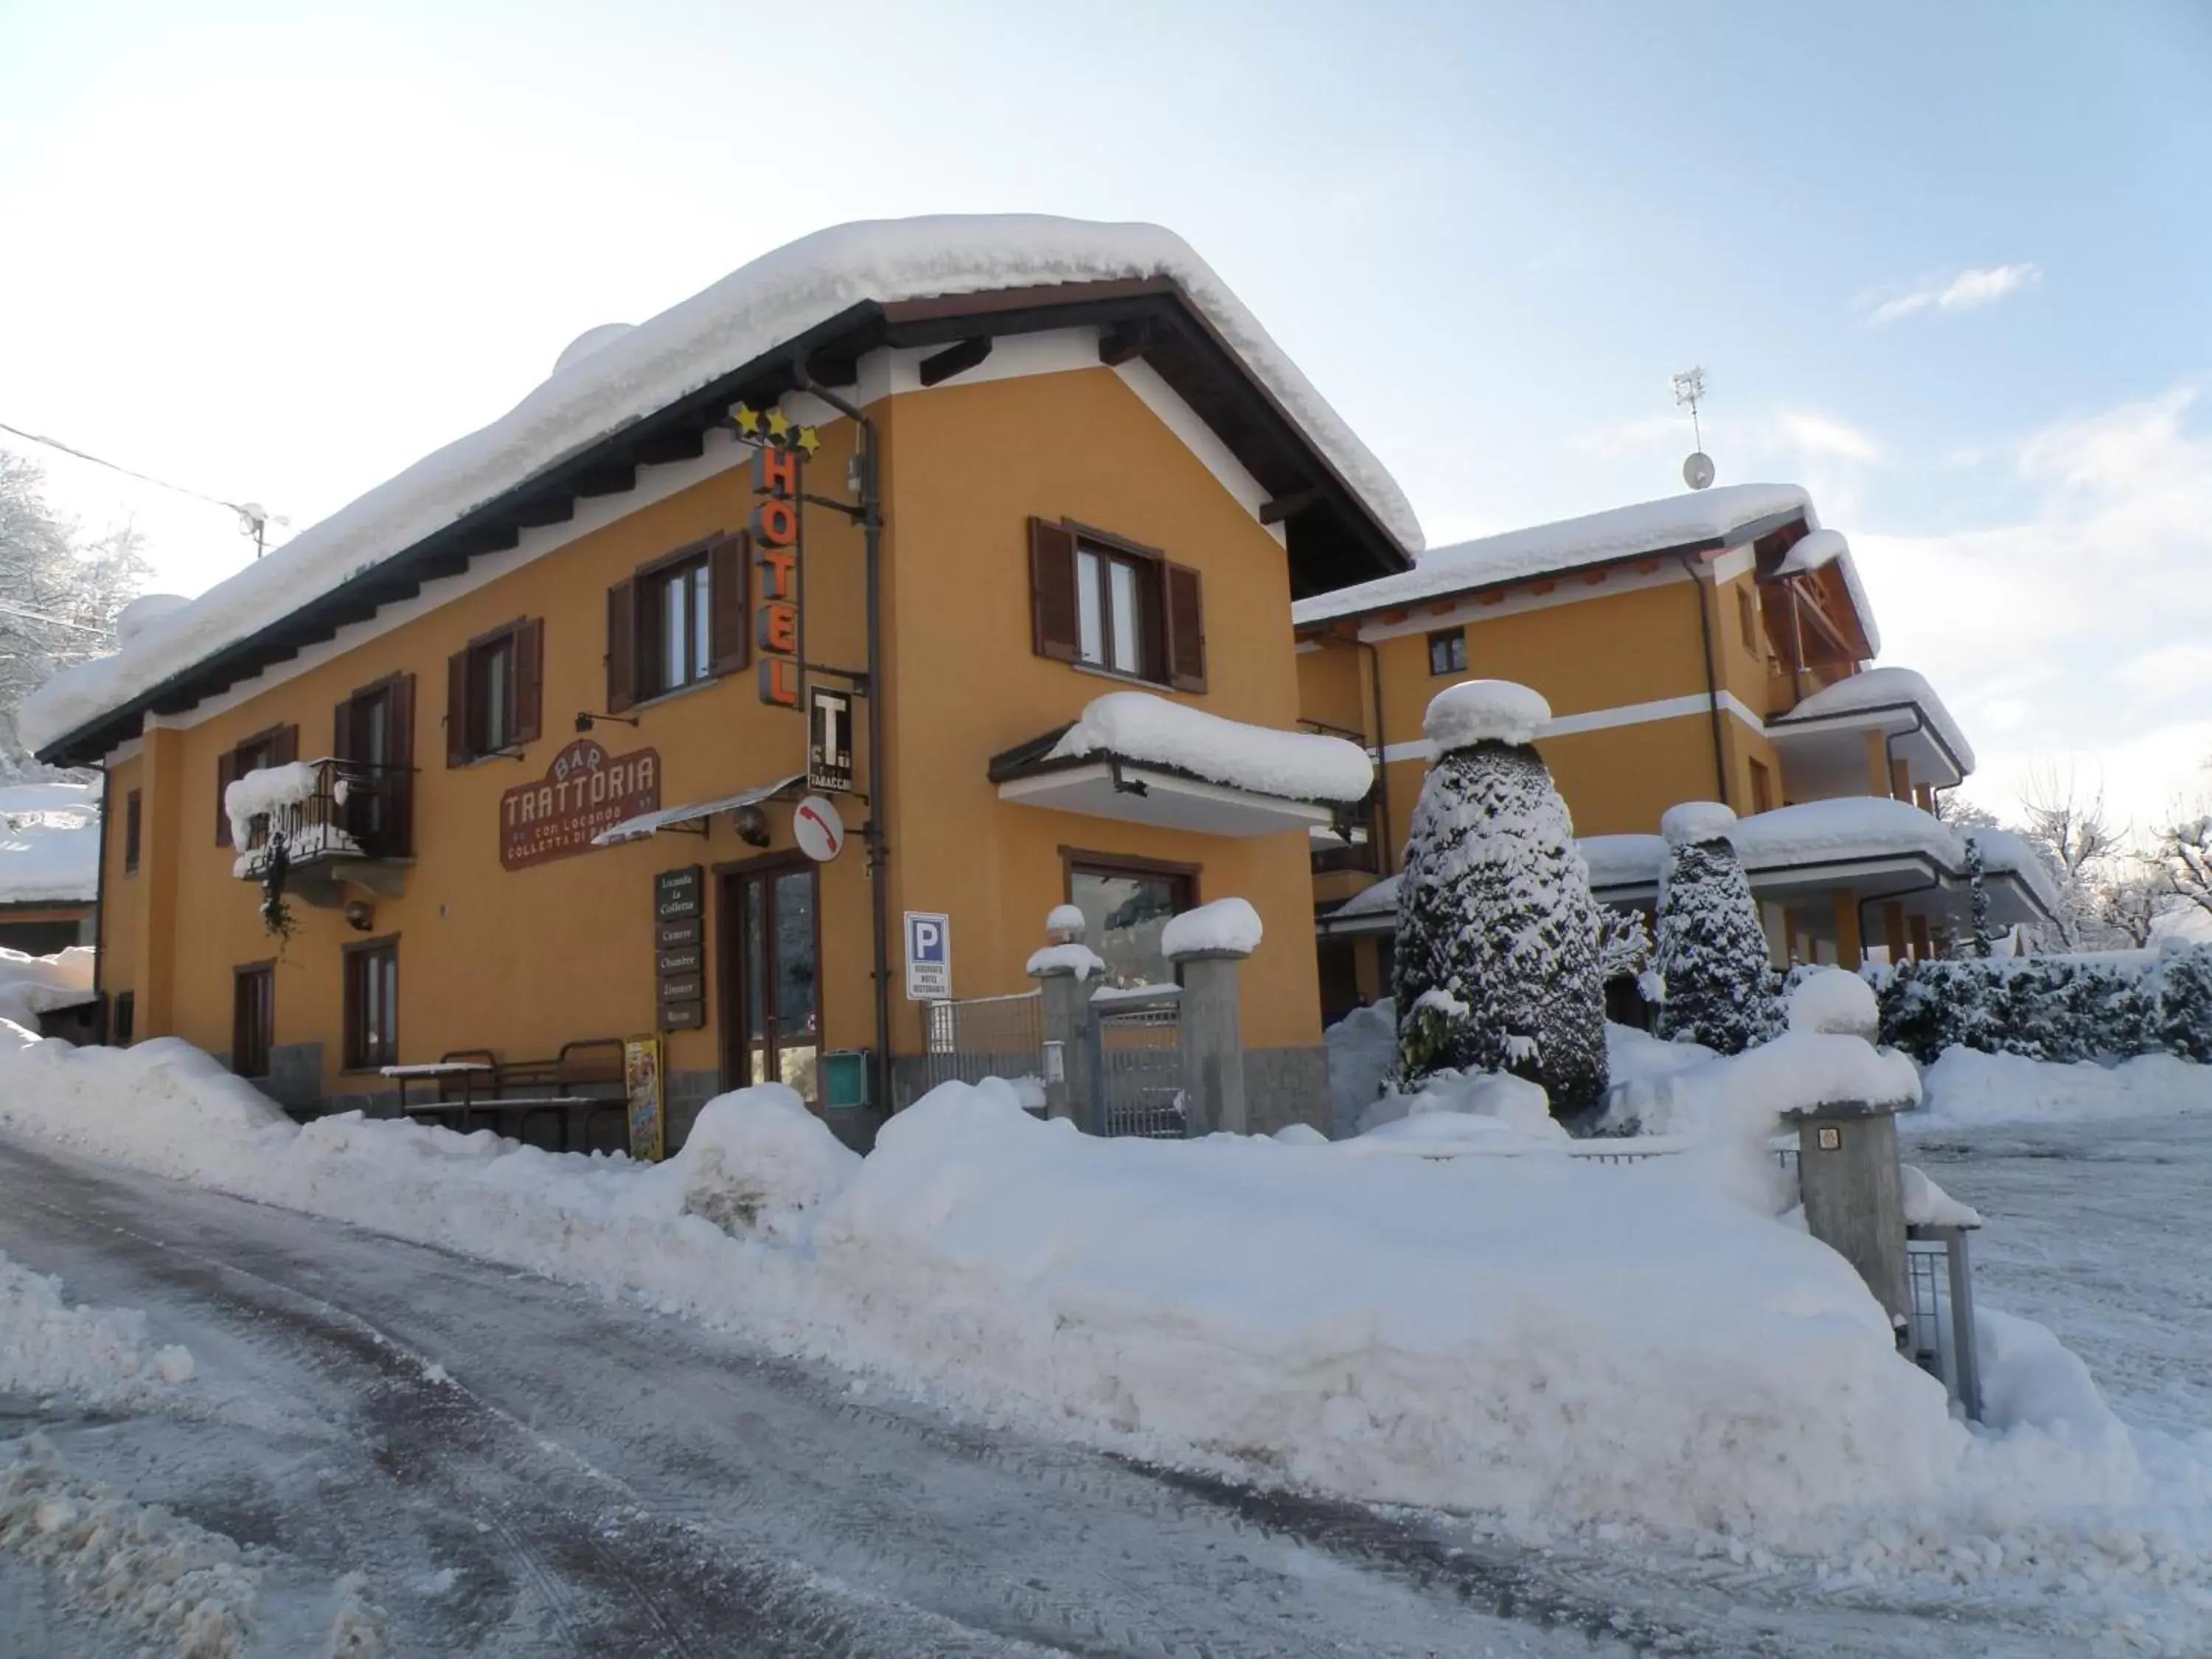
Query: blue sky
{"x": 1948, "y": 265}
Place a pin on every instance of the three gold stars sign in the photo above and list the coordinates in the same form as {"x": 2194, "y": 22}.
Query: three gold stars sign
{"x": 774, "y": 428}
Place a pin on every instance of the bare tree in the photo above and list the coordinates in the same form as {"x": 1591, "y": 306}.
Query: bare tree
{"x": 1955, "y": 810}
{"x": 2131, "y": 900}
{"x": 2184, "y": 859}
{"x": 60, "y": 594}
{"x": 2068, "y": 828}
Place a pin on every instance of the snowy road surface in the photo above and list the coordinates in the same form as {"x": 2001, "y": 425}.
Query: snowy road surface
{"x": 519, "y": 1467}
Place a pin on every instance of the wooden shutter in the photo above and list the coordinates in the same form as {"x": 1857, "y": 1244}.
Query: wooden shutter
{"x": 457, "y": 709}
{"x": 342, "y": 731}
{"x": 1186, "y": 620}
{"x": 1055, "y": 628}
{"x": 226, "y": 773}
{"x": 726, "y": 594}
{"x": 529, "y": 681}
{"x": 622, "y": 646}
{"x": 399, "y": 784}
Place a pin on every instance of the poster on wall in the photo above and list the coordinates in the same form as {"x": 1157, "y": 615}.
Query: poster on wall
{"x": 642, "y": 1088}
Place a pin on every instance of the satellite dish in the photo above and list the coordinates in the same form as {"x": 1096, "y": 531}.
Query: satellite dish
{"x": 1698, "y": 471}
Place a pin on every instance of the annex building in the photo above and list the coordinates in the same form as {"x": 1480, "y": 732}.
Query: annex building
{"x": 1715, "y": 645}
{"x": 985, "y": 532}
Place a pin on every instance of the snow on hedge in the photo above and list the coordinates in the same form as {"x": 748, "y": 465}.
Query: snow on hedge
{"x": 644, "y": 369}
{"x": 49, "y": 843}
{"x": 50, "y": 1346}
{"x": 1965, "y": 1089}
{"x": 1475, "y": 711}
{"x": 1547, "y": 1342}
{"x": 1137, "y": 726}
{"x": 1619, "y": 532}
{"x": 1885, "y": 687}
{"x": 1227, "y": 926}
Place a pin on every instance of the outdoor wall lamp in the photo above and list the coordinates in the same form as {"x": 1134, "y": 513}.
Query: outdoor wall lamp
{"x": 585, "y": 722}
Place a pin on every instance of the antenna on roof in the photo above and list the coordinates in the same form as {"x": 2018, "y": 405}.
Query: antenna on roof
{"x": 1690, "y": 391}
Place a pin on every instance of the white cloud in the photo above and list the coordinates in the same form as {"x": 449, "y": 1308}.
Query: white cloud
{"x": 1967, "y": 291}
{"x": 1818, "y": 436}
{"x": 2078, "y": 629}
{"x": 1825, "y": 452}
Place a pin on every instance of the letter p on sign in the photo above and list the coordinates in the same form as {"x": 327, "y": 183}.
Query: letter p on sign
{"x": 928, "y": 956}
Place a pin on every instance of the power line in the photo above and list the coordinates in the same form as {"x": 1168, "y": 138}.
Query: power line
{"x": 128, "y": 472}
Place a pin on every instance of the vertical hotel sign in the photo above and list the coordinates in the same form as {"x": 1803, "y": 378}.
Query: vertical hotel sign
{"x": 778, "y": 547}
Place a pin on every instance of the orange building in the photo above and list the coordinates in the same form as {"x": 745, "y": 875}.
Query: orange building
{"x": 1715, "y": 645}
{"x": 531, "y": 720}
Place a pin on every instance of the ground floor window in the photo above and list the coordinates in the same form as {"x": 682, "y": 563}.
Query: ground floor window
{"x": 126, "y": 1011}
{"x": 1126, "y": 904}
{"x": 253, "y": 1019}
{"x": 372, "y": 1005}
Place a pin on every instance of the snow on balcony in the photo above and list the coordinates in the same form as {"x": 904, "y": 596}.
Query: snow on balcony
{"x": 1822, "y": 739}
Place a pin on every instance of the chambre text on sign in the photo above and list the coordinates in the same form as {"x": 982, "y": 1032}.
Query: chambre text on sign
{"x": 586, "y": 790}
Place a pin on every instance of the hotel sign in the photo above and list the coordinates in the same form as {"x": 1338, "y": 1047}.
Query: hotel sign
{"x": 584, "y": 791}
{"x": 776, "y": 552}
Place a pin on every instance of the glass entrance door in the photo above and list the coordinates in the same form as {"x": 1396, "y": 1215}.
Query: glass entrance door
{"x": 771, "y": 982}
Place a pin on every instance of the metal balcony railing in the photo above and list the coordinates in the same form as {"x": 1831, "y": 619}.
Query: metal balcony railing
{"x": 357, "y": 811}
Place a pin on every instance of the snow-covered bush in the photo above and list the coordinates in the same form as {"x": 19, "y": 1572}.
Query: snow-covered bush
{"x": 1711, "y": 956}
{"x": 2180, "y": 1016}
{"x": 2051, "y": 1008}
{"x": 1494, "y": 909}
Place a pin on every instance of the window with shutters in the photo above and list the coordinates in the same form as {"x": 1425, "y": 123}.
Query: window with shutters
{"x": 278, "y": 746}
{"x": 1113, "y": 605}
{"x": 678, "y": 622}
{"x": 371, "y": 1004}
{"x": 373, "y": 740}
{"x": 494, "y": 692}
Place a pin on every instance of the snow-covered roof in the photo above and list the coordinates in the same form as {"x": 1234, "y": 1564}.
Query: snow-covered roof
{"x": 49, "y": 843}
{"x": 637, "y": 372}
{"x": 1882, "y": 688}
{"x": 1380, "y": 900}
{"x": 1294, "y": 765}
{"x": 1705, "y": 515}
{"x": 2005, "y": 853}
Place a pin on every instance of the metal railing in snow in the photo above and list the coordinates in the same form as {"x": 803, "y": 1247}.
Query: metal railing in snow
{"x": 983, "y": 1036}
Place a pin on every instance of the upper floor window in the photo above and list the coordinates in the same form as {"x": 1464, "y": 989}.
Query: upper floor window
{"x": 130, "y": 832}
{"x": 680, "y": 620}
{"x": 1448, "y": 651}
{"x": 372, "y": 739}
{"x": 495, "y": 692}
{"x": 1746, "y": 615}
{"x": 1112, "y": 604}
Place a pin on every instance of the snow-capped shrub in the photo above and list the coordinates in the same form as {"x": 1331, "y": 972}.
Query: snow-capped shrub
{"x": 2180, "y": 1017}
{"x": 1496, "y": 966}
{"x": 2050, "y": 1008}
{"x": 1711, "y": 955}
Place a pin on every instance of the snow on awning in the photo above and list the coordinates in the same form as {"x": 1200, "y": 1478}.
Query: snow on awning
{"x": 1146, "y": 760}
{"x": 1821, "y": 738}
{"x": 648, "y": 824}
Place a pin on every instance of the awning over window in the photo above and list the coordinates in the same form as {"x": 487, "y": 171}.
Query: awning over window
{"x": 1110, "y": 788}
{"x": 647, "y": 824}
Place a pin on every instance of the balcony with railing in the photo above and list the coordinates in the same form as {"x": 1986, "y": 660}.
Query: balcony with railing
{"x": 338, "y": 822}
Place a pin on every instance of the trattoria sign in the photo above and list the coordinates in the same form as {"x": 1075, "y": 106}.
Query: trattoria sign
{"x": 586, "y": 790}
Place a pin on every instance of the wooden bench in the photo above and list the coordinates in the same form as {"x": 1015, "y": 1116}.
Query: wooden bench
{"x": 584, "y": 1080}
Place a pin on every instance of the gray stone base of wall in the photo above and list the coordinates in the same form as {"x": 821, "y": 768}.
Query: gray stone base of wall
{"x": 1283, "y": 1086}
{"x": 682, "y": 1093}
{"x": 295, "y": 1075}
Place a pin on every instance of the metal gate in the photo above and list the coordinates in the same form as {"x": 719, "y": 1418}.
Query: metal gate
{"x": 1136, "y": 1065}
{"x": 984, "y": 1036}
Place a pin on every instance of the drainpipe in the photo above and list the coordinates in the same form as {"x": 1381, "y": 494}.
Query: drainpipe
{"x": 1712, "y": 679}
{"x": 100, "y": 898}
{"x": 1381, "y": 747}
{"x": 873, "y": 836}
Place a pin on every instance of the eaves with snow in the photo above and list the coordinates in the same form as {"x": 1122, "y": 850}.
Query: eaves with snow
{"x": 1702, "y": 522}
{"x": 622, "y": 399}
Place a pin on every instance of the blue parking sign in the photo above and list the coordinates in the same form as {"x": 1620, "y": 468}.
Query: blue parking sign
{"x": 928, "y": 956}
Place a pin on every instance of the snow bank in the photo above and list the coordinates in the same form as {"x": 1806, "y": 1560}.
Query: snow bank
{"x": 1927, "y": 1205}
{"x": 1478, "y": 1110}
{"x": 1744, "y": 1096}
{"x": 1967, "y": 1088}
{"x": 1704, "y": 515}
{"x": 48, "y": 1347}
{"x": 1474, "y": 710}
{"x": 750, "y": 311}
{"x": 1227, "y": 926}
{"x": 178, "y": 1587}
{"x": 1295, "y": 765}
{"x": 1836, "y": 1001}
{"x": 49, "y": 843}
{"x": 1363, "y": 1048}
{"x": 1694, "y": 822}
{"x": 1548, "y": 1342}
{"x": 31, "y": 986}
